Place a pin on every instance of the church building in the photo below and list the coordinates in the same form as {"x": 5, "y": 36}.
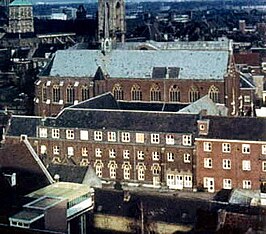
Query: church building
{"x": 164, "y": 72}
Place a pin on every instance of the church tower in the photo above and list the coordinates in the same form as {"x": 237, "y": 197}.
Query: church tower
{"x": 111, "y": 20}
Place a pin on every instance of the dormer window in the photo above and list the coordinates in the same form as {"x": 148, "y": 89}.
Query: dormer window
{"x": 203, "y": 126}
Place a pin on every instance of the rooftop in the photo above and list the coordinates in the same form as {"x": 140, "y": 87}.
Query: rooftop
{"x": 151, "y": 64}
{"x": 65, "y": 190}
{"x": 20, "y": 3}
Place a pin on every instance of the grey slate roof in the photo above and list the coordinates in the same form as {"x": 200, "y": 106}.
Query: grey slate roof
{"x": 23, "y": 125}
{"x": 124, "y": 120}
{"x": 188, "y": 64}
{"x": 237, "y": 128}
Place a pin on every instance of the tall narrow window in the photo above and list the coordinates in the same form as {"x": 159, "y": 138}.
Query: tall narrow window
{"x": 193, "y": 94}
{"x": 155, "y": 93}
{"x": 56, "y": 93}
{"x": 118, "y": 92}
{"x": 85, "y": 93}
{"x": 141, "y": 172}
{"x": 136, "y": 93}
{"x": 126, "y": 172}
{"x": 44, "y": 92}
{"x": 174, "y": 94}
{"x": 70, "y": 94}
{"x": 214, "y": 93}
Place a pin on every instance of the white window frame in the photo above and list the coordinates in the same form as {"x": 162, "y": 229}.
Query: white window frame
{"x": 155, "y": 138}
{"x": 140, "y": 137}
{"x": 227, "y": 164}
{"x": 207, "y": 146}
{"x": 187, "y": 140}
{"x": 141, "y": 173}
{"x": 245, "y": 148}
{"x": 207, "y": 162}
{"x": 84, "y": 135}
{"x": 246, "y": 184}
{"x": 155, "y": 156}
{"x": 187, "y": 181}
{"x": 246, "y": 165}
{"x": 84, "y": 151}
{"x": 227, "y": 184}
{"x": 126, "y": 172}
{"x": 70, "y": 134}
{"x": 263, "y": 149}
{"x": 98, "y": 135}
{"x": 247, "y": 98}
{"x": 70, "y": 151}
{"x": 126, "y": 154}
{"x": 43, "y": 149}
{"x": 125, "y": 137}
{"x": 112, "y": 153}
{"x": 170, "y": 139}
{"x": 187, "y": 158}
{"x": 98, "y": 171}
{"x": 98, "y": 152}
{"x": 55, "y": 133}
{"x": 43, "y": 132}
{"x": 140, "y": 155}
{"x": 226, "y": 147}
{"x": 170, "y": 156}
{"x": 112, "y": 171}
{"x": 111, "y": 136}
{"x": 263, "y": 166}
{"x": 56, "y": 150}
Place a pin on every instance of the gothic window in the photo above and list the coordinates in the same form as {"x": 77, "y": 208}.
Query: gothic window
{"x": 214, "y": 93}
{"x": 136, "y": 93}
{"x": 44, "y": 93}
{"x": 118, "y": 92}
{"x": 193, "y": 94}
{"x": 118, "y": 15}
{"x": 56, "y": 93}
{"x": 98, "y": 168}
{"x": 141, "y": 172}
{"x": 155, "y": 93}
{"x": 85, "y": 93}
{"x": 174, "y": 94}
{"x": 126, "y": 169}
{"x": 112, "y": 169}
{"x": 70, "y": 95}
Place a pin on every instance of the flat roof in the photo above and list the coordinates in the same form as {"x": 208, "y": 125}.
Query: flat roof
{"x": 65, "y": 190}
{"x": 43, "y": 203}
{"x": 27, "y": 216}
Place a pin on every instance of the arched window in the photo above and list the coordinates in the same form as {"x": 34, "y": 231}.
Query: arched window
{"x": 56, "y": 93}
{"x": 214, "y": 93}
{"x": 156, "y": 169}
{"x": 118, "y": 15}
{"x": 126, "y": 172}
{"x": 141, "y": 172}
{"x": 118, "y": 92}
{"x": 70, "y": 95}
{"x": 193, "y": 94}
{"x": 44, "y": 92}
{"x": 136, "y": 93}
{"x": 85, "y": 93}
{"x": 98, "y": 168}
{"x": 112, "y": 170}
{"x": 155, "y": 93}
{"x": 174, "y": 94}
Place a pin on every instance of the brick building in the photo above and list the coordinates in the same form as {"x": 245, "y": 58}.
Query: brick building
{"x": 231, "y": 153}
{"x": 178, "y": 72}
{"x": 152, "y": 148}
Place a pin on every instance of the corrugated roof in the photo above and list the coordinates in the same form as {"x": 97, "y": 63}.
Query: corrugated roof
{"x": 200, "y": 64}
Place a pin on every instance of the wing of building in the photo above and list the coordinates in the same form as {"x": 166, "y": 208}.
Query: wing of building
{"x": 178, "y": 72}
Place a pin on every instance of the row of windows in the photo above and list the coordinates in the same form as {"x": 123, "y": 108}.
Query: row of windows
{"x": 70, "y": 93}
{"x": 126, "y": 170}
{"x": 156, "y": 93}
{"x": 226, "y": 148}
{"x": 226, "y": 164}
{"x": 112, "y": 136}
{"x": 112, "y": 153}
{"x": 227, "y": 183}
